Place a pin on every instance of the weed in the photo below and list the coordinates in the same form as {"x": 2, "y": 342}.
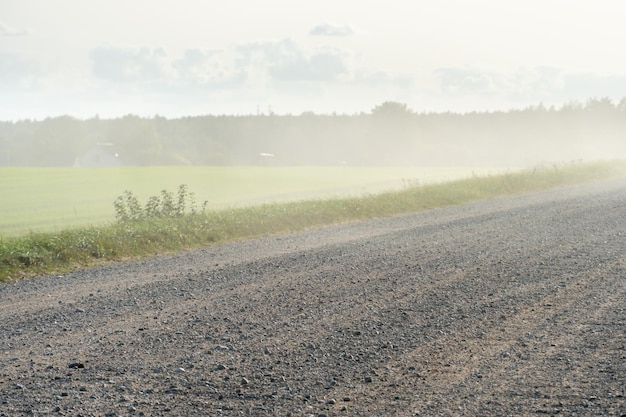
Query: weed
{"x": 129, "y": 209}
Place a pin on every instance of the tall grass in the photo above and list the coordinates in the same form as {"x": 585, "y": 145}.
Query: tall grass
{"x": 163, "y": 224}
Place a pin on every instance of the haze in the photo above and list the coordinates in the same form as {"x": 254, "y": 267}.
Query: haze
{"x": 113, "y": 57}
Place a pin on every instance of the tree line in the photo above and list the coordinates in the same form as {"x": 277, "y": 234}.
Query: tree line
{"x": 390, "y": 134}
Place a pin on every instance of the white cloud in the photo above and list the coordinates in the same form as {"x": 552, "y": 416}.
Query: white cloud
{"x": 382, "y": 78}
{"x": 524, "y": 83}
{"x": 17, "y": 73}
{"x": 525, "y": 86}
{"x": 130, "y": 65}
{"x": 266, "y": 62}
{"x": 287, "y": 61}
{"x": 588, "y": 85}
{"x": 208, "y": 69}
{"x": 6, "y": 30}
{"x": 328, "y": 29}
{"x": 285, "y": 73}
{"x": 462, "y": 81}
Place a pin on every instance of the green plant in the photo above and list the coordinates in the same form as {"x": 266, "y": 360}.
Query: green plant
{"x": 129, "y": 209}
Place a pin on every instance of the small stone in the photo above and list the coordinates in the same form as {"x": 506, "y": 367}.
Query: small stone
{"x": 244, "y": 381}
{"x": 180, "y": 369}
{"x": 220, "y": 367}
{"x": 332, "y": 401}
{"x": 368, "y": 379}
{"x": 76, "y": 365}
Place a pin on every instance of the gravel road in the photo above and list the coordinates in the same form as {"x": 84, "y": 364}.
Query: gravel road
{"x": 509, "y": 306}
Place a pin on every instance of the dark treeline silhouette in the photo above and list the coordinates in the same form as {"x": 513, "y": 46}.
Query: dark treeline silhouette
{"x": 391, "y": 134}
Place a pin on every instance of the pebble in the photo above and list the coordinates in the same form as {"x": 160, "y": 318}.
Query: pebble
{"x": 76, "y": 365}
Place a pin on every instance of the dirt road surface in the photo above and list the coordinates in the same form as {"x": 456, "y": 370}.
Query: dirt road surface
{"x": 510, "y": 306}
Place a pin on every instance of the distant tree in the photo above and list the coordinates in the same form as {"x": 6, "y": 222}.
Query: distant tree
{"x": 391, "y": 109}
{"x": 137, "y": 139}
{"x": 390, "y": 134}
{"x": 58, "y": 141}
{"x": 600, "y": 105}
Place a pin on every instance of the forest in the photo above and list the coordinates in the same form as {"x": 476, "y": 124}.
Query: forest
{"x": 391, "y": 134}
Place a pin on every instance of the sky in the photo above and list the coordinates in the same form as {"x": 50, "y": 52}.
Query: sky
{"x": 191, "y": 57}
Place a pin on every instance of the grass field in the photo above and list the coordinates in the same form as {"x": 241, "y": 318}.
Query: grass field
{"x": 52, "y": 199}
{"x": 153, "y": 232}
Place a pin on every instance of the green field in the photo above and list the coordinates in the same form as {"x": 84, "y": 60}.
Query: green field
{"x": 51, "y": 199}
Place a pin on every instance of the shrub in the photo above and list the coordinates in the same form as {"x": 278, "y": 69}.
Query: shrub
{"x": 129, "y": 209}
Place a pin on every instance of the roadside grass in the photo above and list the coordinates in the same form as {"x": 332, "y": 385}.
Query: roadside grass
{"x": 59, "y": 252}
{"x": 50, "y": 199}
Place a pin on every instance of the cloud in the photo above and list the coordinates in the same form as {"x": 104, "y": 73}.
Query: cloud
{"x": 523, "y": 84}
{"x": 542, "y": 82}
{"x": 6, "y": 30}
{"x": 288, "y": 74}
{"x": 156, "y": 69}
{"x": 129, "y": 65}
{"x": 209, "y": 69}
{"x": 286, "y": 61}
{"x": 324, "y": 66}
{"x": 382, "y": 78}
{"x": 461, "y": 81}
{"x": 328, "y": 29}
{"x": 17, "y": 73}
{"x": 528, "y": 86}
{"x": 258, "y": 65}
{"x": 592, "y": 85}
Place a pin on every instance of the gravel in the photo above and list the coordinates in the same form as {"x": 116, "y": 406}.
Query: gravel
{"x": 508, "y": 306}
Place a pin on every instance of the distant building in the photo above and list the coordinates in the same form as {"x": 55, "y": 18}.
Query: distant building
{"x": 266, "y": 158}
{"x": 103, "y": 154}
